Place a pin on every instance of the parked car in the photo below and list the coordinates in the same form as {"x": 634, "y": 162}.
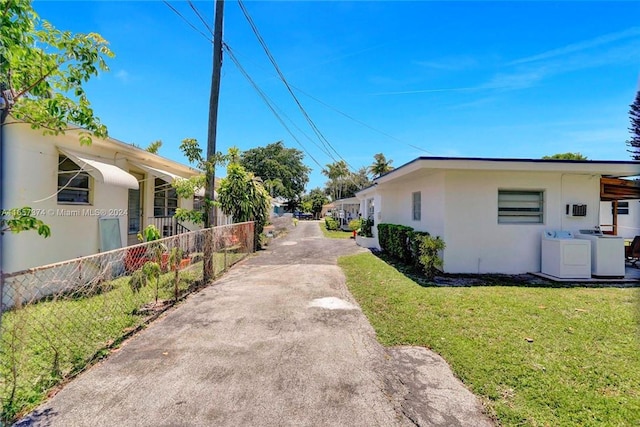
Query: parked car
{"x": 303, "y": 215}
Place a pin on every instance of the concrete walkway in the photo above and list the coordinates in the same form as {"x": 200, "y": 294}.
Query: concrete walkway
{"x": 278, "y": 341}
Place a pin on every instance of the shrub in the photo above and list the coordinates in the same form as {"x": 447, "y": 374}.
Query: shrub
{"x": 414, "y": 246}
{"x": 383, "y": 236}
{"x": 355, "y": 224}
{"x": 429, "y": 258}
{"x": 331, "y": 224}
{"x": 366, "y": 226}
{"x": 394, "y": 239}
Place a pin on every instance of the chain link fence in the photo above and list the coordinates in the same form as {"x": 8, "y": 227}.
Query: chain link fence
{"x": 57, "y": 319}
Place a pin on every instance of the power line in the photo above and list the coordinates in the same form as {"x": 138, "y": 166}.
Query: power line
{"x": 267, "y": 101}
{"x": 360, "y": 122}
{"x": 189, "y": 22}
{"x": 195, "y": 9}
{"x": 261, "y": 93}
{"x": 313, "y": 126}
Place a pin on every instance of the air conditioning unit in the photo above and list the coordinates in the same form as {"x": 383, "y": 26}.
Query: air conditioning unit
{"x": 576, "y": 210}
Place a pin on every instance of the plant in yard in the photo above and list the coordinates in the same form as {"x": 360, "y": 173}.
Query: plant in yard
{"x": 137, "y": 281}
{"x": 331, "y": 223}
{"x": 175, "y": 260}
{"x": 366, "y": 227}
{"x": 156, "y": 250}
{"x": 149, "y": 234}
{"x": 429, "y": 254}
{"x": 152, "y": 270}
{"x": 355, "y": 224}
{"x": 243, "y": 196}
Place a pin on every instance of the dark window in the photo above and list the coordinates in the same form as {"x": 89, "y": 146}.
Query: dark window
{"x": 165, "y": 199}
{"x": 74, "y": 184}
{"x": 623, "y": 208}
{"x": 417, "y": 205}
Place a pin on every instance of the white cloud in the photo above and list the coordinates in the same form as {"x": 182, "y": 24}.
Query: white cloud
{"x": 452, "y": 63}
{"x": 123, "y": 76}
{"x": 580, "y": 46}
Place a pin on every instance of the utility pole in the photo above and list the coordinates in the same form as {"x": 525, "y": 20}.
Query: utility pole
{"x": 210, "y": 220}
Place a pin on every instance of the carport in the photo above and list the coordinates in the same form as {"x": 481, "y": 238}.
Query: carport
{"x": 614, "y": 190}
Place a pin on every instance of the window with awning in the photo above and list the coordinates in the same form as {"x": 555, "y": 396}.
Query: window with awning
{"x": 74, "y": 183}
{"x": 101, "y": 171}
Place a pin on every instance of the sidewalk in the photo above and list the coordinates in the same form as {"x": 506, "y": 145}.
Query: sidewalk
{"x": 277, "y": 341}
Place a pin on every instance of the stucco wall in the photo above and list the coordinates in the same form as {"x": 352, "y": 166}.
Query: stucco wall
{"x": 477, "y": 243}
{"x": 397, "y": 201}
{"x": 462, "y": 208}
{"x": 31, "y": 169}
{"x": 31, "y": 180}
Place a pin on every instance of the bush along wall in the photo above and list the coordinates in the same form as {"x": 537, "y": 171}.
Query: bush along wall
{"x": 331, "y": 224}
{"x": 416, "y": 248}
{"x": 394, "y": 239}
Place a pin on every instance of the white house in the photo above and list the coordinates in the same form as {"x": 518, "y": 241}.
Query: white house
{"x": 344, "y": 210}
{"x": 491, "y": 212}
{"x": 94, "y": 198}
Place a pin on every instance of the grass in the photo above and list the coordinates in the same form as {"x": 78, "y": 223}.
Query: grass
{"x": 335, "y": 234}
{"x": 44, "y": 343}
{"x": 535, "y": 356}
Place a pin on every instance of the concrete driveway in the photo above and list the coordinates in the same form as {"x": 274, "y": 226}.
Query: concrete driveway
{"x": 278, "y": 341}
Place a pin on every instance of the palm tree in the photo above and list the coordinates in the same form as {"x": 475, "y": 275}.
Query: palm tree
{"x": 380, "y": 165}
{"x": 336, "y": 172}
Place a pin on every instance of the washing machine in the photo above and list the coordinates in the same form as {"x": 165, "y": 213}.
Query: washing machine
{"x": 607, "y": 253}
{"x": 565, "y": 257}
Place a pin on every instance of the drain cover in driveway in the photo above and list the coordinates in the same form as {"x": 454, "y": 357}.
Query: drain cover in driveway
{"x": 332, "y": 303}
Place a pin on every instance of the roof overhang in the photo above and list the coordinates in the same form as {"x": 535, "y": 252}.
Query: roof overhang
{"x": 619, "y": 189}
{"x": 167, "y": 176}
{"x": 596, "y": 167}
{"x": 102, "y": 172}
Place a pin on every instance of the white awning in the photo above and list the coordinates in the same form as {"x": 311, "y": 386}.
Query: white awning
{"x": 162, "y": 174}
{"x": 102, "y": 172}
{"x": 166, "y": 176}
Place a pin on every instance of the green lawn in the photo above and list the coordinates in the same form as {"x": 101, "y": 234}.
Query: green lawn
{"x": 335, "y": 234}
{"x": 535, "y": 356}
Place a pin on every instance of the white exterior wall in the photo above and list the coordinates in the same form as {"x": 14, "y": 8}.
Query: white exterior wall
{"x": 476, "y": 243}
{"x": 628, "y": 225}
{"x": 398, "y": 203}
{"x": 32, "y": 180}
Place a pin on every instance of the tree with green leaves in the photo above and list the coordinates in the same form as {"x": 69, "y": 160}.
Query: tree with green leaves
{"x": 242, "y": 195}
{"x": 42, "y": 75}
{"x": 281, "y": 169}
{"x": 337, "y": 172}
{"x": 314, "y": 201}
{"x": 380, "y": 165}
{"x": 355, "y": 182}
{"x": 348, "y": 184}
{"x": 43, "y": 70}
{"x": 566, "y": 156}
{"x": 634, "y": 129}
{"x": 154, "y": 147}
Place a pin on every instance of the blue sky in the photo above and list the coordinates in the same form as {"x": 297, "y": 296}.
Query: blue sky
{"x": 472, "y": 79}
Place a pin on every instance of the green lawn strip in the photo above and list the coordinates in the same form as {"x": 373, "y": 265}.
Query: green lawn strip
{"x": 335, "y": 234}
{"x": 582, "y": 367}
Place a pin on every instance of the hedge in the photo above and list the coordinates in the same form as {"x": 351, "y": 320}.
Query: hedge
{"x": 401, "y": 242}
